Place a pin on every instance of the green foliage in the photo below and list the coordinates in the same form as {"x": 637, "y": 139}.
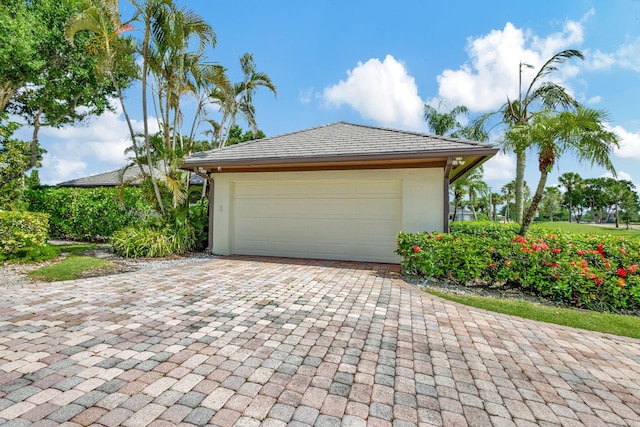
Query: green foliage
{"x": 21, "y": 231}
{"x": 71, "y": 268}
{"x": 153, "y": 242}
{"x": 88, "y": 214}
{"x": 15, "y": 160}
{"x": 589, "y": 271}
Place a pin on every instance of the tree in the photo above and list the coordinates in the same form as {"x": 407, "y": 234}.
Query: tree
{"x": 551, "y": 202}
{"x": 570, "y": 181}
{"x": 447, "y": 124}
{"x": 582, "y": 131}
{"x": 548, "y": 95}
{"x": 234, "y": 99}
{"x": 496, "y": 199}
{"x": 45, "y": 80}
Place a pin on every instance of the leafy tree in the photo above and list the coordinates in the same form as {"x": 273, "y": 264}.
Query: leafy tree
{"x": 45, "y": 80}
{"x": 470, "y": 186}
{"x": 570, "y": 181}
{"x": 551, "y": 202}
{"x": 629, "y": 207}
{"x": 15, "y": 158}
{"x": 237, "y": 135}
{"x": 582, "y": 131}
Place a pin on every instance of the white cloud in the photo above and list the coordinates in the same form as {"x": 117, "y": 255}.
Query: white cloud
{"x": 492, "y": 74}
{"x": 56, "y": 169}
{"x": 594, "y": 100}
{"x": 304, "y": 95}
{"x": 501, "y": 167}
{"x": 96, "y": 146}
{"x": 627, "y": 56}
{"x": 629, "y": 144}
{"x": 381, "y": 91}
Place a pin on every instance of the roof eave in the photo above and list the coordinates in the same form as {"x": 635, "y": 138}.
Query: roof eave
{"x": 190, "y": 164}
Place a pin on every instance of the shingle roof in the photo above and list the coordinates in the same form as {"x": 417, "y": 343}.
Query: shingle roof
{"x": 114, "y": 178}
{"x": 335, "y": 141}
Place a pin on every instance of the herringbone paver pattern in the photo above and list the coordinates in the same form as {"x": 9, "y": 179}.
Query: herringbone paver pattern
{"x": 274, "y": 342}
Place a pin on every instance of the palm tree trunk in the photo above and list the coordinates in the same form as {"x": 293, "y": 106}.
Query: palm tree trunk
{"x": 537, "y": 197}
{"x": 145, "y": 119}
{"x": 521, "y": 163}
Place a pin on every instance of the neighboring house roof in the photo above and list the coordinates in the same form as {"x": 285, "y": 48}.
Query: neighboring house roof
{"x": 115, "y": 178}
{"x": 340, "y": 142}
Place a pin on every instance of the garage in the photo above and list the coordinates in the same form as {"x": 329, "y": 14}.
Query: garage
{"x": 340, "y": 191}
{"x": 346, "y": 220}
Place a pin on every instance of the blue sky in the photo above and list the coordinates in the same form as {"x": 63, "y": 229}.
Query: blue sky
{"x": 377, "y": 63}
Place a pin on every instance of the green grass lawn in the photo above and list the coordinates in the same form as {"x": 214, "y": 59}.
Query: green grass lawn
{"x": 617, "y": 324}
{"x": 572, "y": 227}
{"x": 70, "y": 268}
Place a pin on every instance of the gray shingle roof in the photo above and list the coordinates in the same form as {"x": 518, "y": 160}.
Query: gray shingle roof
{"x": 336, "y": 141}
{"x": 114, "y": 178}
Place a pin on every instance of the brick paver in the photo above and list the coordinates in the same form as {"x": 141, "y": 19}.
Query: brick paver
{"x": 266, "y": 341}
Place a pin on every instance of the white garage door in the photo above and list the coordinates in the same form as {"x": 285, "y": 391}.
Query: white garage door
{"x": 347, "y": 220}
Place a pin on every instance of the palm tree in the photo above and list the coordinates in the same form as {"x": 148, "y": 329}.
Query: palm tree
{"x": 496, "y": 199}
{"x": 447, "y": 124}
{"x": 548, "y": 95}
{"x": 570, "y": 181}
{"x": 582, "y": 131}
{"x": 234, "y": 99}
{"x": 508, "y": 194}
{"x": 475, "y": 187}
{"x": 115, "y": 52}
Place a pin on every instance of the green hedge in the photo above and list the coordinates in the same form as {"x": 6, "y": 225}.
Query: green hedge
{"x": 595, "y": 272}
{"x": 20, "y": 231}
{"x": 88, "y": 214}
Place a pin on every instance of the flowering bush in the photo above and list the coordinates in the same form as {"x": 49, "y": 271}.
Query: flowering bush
{"x": 594, "y": 272}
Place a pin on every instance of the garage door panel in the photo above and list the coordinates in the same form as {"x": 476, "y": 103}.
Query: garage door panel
{"x": 351, "y": 220}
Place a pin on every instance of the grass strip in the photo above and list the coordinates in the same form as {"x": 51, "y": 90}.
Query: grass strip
{"x": 616, "y": 324}
{"x": 70, "y": 268}
{"x": 572, "y": 227}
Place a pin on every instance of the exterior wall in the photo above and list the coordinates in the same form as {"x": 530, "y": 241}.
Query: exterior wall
{"x": 422, "y": 197}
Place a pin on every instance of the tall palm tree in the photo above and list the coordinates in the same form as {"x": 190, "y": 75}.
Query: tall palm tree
{"x": 570, "y": 181}
{"x": 582, "y": 131}
{"x": 115, "y": 51}
{"x": 237, "y": 98}
{"x": 541, "y": 92}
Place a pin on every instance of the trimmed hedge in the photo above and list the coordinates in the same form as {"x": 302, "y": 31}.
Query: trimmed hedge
{"x": 20, "y": 231}
{"x": 88, "y": 214}
{"x": 594, "y": 272}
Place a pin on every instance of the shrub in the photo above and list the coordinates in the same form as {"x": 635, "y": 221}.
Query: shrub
{"x": 595, "y": 272}
{"x": 88, "y": 214}
{"x": 22, "y": 231}
{"x": 152, "y": 242}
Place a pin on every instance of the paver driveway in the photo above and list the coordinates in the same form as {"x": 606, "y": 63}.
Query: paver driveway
{"x": 248, "y": 341}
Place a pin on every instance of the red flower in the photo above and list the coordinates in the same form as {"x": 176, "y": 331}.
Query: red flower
{"x": 600, "y": 248}
{"x": 622, "y": 272}
{"x": 416, "y": 249}
{"x": 623, "y": 252}
{"x": 632, "y": 268}
{"x": 438, "y": 237}
{"x": 554, "y": 265}
{"x": 598, "y": 280}
{"x": 579, "y": 252}
{"x": 556, "y": 251}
